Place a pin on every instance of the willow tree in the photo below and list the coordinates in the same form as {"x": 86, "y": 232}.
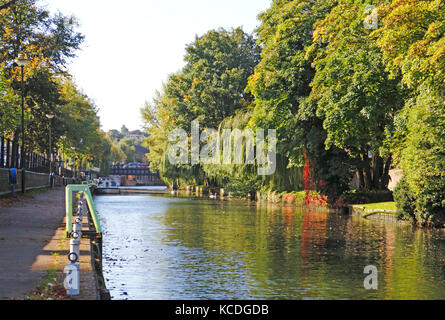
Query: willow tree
{"x": 209, "y": 88}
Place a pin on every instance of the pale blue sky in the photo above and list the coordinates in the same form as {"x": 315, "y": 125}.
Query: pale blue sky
{"x": 132, "y": 46}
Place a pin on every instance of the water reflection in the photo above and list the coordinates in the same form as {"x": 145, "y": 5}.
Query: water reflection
{"x": 162, "y": 247}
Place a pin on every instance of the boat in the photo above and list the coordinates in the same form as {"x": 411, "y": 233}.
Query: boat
{"x": 107, "y": 186}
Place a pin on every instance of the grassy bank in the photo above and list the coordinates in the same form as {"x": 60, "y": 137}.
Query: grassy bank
{"x": 387, "y": 206}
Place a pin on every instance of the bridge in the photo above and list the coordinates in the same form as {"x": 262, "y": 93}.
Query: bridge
{"x": 120, "y": 171}
{"x": 136, "y": 176}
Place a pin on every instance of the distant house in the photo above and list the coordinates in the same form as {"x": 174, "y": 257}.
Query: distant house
{"x": 136, "y": 134}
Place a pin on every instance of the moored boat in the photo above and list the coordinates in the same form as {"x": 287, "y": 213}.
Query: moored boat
{"x": 107, "y": 186}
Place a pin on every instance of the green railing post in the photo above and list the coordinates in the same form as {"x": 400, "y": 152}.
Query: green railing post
{"x": 69, "y": 206}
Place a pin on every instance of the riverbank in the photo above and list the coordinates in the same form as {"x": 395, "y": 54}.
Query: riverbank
{"x": 33, "y": 248}
{"x": 382, "y": 211}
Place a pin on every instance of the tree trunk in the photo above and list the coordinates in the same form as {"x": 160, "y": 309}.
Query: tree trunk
{"x": 361, "y": 178}
{"x": 374, "y": 173}
{"x": 377, "y": 172}
{"x": 367, "y": 173}
{"x": 385, "y": 176}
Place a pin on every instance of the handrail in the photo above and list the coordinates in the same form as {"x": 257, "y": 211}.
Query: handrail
{"x": 69, "y": 207}
{"x": 75, "y": 233}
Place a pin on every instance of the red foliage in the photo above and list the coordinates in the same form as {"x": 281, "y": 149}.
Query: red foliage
{"x": 309, "y": 185}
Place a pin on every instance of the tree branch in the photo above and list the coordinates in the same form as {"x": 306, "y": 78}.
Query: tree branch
{"x": 7, "y": 5}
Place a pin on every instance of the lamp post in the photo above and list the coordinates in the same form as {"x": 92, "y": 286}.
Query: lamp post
{"x": 50, "y": 117}
{"x": 75, "y": 164}
{"x": 22, "y": 62}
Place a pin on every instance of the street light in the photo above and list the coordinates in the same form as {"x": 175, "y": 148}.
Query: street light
{"x": 50, "y": 117}
{"x": 75, "y": 164}
{"x": 22, "y": 62}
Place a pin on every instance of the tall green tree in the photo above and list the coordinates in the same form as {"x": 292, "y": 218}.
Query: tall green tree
{"x": 354, "y": 95}
{"x": 281, "y": 84}
{"x": 209, "y": 88}
{"x": 8, "y": 106}
{"x": 28, "y": 28}
{"x": 412, "y": 39}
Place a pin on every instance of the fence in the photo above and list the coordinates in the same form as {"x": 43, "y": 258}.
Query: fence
{"x": 12, "y": 155}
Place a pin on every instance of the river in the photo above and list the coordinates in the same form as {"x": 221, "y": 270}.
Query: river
{"x": 163, "y": 247}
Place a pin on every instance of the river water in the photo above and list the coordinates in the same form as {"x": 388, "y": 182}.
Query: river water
{"x": 181, "y": 248}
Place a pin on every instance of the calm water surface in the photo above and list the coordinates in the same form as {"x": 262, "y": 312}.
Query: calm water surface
{"x": 165, "y": 247}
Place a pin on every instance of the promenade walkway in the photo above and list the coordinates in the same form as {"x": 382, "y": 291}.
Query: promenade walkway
{"x": 32, "y": 242}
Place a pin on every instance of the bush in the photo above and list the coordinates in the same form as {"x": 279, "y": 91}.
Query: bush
{"x": 431, "y": 203}
{"x": 423, "y": 160}
{"x": 405, "y": 201}
{"x": 240, "y": 188}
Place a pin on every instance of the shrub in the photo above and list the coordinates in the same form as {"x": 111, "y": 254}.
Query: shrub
{"x": 405, "y": 202}
{"x": 423, "y": 160}
{"x": 431, "y": 203}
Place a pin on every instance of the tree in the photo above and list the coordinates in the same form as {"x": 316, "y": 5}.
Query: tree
{"x": 8, "y": 106}
{"x": 26, "y": 28}
{"x": 124, "y": 131}
{"x": 280, "y": 86}
{"x": 48, "y": 41}
{"x": 6, "y": 5}
{"x": 412, "y": 39}
{"x": 114, "y": 134}
{"x": 209, "y": 88}
{"x": 79, "y": 121}
{"x": 355, "y": 96}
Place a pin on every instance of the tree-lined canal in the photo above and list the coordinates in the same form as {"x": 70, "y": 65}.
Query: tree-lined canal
{"x": 164, "y": 247}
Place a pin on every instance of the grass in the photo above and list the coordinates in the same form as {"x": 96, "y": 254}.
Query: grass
{"x": 48, "y": 289}
{"x": 380, "y": 206}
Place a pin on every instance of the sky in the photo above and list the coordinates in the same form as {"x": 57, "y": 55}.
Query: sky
{"x": 132, "y": 46}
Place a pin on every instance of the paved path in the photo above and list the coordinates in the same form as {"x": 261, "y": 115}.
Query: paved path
{"x": 31, "y": 232}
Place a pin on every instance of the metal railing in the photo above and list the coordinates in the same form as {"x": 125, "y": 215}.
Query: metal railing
{"x": 12, "y": 155}
{"x": 75, "y": 232}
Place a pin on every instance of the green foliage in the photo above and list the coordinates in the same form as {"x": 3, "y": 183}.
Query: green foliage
{"x": 405, "y": 201}
{"x": 354, "y": 96}
{"x": 209, "y": 88}
{"x": 48, "y": 42}
{"x": 124, "y": 149}
{"x": 348, "y": 99}
{"x": 239, "y": 188}
{"x": 29, "y": 28}
{"x": 282, "y": 77}
{"x": 430, "y": 208}
{"x": 8, "y": 105}
{"x": 423, "y": 158}
{"x": 412, "y": 39}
